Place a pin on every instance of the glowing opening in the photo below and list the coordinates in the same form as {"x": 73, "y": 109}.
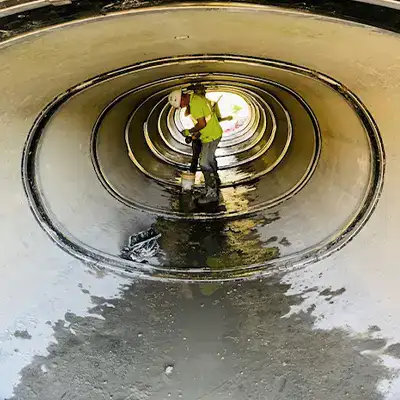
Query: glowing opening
{"x": 229, "y": 104}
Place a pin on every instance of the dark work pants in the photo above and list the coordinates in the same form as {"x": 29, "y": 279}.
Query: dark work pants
{"x": 196, "y": 148}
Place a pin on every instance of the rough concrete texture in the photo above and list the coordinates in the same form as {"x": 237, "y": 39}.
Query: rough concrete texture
{"x": 215, "y": 341}
{"x": 72, "y": 331}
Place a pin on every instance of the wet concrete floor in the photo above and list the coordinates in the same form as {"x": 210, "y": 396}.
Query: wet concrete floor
{"x": 213, "y": 341}
{"x": 328, "y": 331}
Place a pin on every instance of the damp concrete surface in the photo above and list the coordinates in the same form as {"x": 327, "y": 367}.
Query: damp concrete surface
{"x": 328, "y": 331}
{"x": 213, "y": 341}
{"x": 100, "y": 336}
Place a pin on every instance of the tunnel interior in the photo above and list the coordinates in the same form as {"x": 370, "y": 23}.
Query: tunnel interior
{"x": 104, "y": 158}
{"x": 305, "y": 229}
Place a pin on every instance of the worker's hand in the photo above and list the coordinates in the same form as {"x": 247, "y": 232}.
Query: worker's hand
{"x": 188, "y": 139}
{"x": 230, "y": 118}
{"x": 186, "y": 133}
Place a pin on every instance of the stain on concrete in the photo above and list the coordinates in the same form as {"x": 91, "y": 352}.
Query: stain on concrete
{"x": 330, "y": 294}
{"x": 311, "y": 309}
{"x": 268, "y": 219}
{"x": 371, "y": 344}
{"x": 393, "y": 350}
{"x": 374, "y": 328}
{"x": 232, "y": 343}
{"x": 22, "y": 334}
{"x": 86, "y": 291}
{"x": 272, "y": 239}
{"x": 285, "y": 242}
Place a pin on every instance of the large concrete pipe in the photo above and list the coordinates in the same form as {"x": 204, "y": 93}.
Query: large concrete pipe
{"x": 287, "y": 289}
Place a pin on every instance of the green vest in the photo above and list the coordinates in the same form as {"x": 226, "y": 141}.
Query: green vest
{"x": 200, "y": 107}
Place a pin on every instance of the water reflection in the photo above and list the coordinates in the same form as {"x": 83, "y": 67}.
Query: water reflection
{"x": 214, "y": 245}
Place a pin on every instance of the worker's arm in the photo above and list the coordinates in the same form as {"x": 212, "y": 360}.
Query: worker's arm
{"x": 218, "y": 114}
{"x": 187, "y": 111}
{"x": 229, "y": 118}
{"x": 195, "y": 131}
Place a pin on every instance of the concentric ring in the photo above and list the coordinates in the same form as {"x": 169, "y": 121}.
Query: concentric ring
{"x": 35, "y": 179}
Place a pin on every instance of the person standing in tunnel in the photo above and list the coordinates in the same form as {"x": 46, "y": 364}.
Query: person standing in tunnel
{"x": 200, "y": 90}
{"x": 208, "y": 130}
{"x": 196, "y": 142}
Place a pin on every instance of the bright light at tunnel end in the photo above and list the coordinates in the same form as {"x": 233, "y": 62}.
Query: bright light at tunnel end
{"x": 232, "y": 103}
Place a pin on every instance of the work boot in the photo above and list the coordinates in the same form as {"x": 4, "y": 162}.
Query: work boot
{"x": 211, "y": 196}
{"x": 209, "y": 179}
{"x": 211, "y": 193}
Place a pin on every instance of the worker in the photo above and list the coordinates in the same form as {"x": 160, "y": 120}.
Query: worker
{"x": 209, "y": 131}
{"x": 200, "y": 90}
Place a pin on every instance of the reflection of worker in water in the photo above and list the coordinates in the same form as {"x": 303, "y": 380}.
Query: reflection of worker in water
{"x": 208, "y": 130}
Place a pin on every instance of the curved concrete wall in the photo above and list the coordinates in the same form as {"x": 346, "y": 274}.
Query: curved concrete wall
{"x": 326, "y": 330}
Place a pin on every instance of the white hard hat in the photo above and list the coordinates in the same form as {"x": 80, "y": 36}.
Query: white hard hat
{"x": 175, "y": 97}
